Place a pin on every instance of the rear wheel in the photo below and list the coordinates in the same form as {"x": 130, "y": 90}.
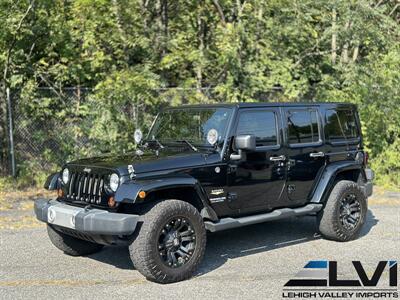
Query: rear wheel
{"x": 70, "y": 245}
{"x": 171, "y": 242}
{"x": 344, "y": 213}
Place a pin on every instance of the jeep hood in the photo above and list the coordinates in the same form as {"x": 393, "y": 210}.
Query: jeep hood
{"x": 147, "y": 162}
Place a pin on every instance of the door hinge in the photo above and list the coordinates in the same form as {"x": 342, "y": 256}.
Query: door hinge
{"x": 291, "y": 188}
{"x": 231, "y": 197}
{"x": 231, "y": 169}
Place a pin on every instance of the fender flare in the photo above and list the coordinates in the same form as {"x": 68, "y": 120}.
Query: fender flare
{"x": 328, "y": 176}
{"x": 52, "y": 182}
{"x": 129, "y": 190}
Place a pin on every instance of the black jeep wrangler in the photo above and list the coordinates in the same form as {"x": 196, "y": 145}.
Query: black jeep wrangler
{"x": 213, "y": 167}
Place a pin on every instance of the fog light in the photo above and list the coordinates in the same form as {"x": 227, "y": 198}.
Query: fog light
{"x": 73, "y": 220}
{"x": 111, "y": 202}
{"x": 51, "y": 215}
{"x": 142, "y": 194}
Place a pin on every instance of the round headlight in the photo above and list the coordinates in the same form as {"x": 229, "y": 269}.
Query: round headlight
{"x": 65, "y": 175}
{"x": 360, "y": 157}
{"x": 114, "y": 182}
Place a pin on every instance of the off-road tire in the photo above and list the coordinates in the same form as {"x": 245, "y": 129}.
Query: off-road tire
{"x": 70, "y": 245}
{"x": 329, "y": 223}
{"x": 144, "y": 248}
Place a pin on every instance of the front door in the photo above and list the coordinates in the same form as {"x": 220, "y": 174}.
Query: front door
{"x": 256, "y": 182}
{"x": 306, "y": 157}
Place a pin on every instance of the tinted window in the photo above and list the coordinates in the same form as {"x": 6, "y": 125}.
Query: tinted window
{"x": 303, "y": 126}
{"x": 340, "y": 125}
{"x": 260, "y": 123}
{"x": 192, "y": 124}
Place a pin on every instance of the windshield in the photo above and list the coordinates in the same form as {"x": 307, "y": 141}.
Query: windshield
{"x": 199, "y": 126}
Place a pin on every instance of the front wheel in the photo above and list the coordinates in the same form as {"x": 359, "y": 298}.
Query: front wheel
{"x": 344, "y": 213}
{"x": 170, "y": 243}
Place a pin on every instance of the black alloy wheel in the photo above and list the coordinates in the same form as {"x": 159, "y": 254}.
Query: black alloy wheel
{"x": 177, "y": 242}
{"x": 349, "y": 211}
{"x": 170, "y": 243}
{"x": 344, "y": 213}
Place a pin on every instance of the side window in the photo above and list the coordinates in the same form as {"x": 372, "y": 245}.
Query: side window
{"x": 260, "y": 123}
{"x": 303, "y": 126}
{"x": 348, "y": 121}
{"x": 340, "y": 125}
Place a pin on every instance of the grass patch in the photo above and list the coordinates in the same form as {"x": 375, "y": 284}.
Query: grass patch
{"x": 19, "y": 222}
{"x": 12, "y": 196}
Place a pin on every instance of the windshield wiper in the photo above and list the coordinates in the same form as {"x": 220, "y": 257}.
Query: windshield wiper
{"x": 189, "y": 144}
{"x": 159, "y": 143}
{"x": 161, "y": 146}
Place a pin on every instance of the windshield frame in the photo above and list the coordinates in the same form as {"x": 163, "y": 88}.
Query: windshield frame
{"x": 225, "y": 137}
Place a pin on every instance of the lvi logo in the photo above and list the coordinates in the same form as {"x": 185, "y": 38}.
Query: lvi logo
{"x": 323, "y": 273}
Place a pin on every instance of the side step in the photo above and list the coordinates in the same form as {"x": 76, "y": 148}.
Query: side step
{"x": 282, "y": 213}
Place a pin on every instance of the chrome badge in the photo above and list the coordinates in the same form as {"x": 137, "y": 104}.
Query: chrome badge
{"x": 87, "y": 170}
{"x": 217, "y": 192}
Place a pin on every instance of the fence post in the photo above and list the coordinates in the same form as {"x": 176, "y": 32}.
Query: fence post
{"x": 11, "y": 133}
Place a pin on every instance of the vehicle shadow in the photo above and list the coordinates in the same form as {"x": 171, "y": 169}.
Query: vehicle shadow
{"x": 265, "y": 237}
{"x": 240, "y": 242}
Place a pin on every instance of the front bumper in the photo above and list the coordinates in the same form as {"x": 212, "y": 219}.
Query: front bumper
{"x": 89, "y": 221}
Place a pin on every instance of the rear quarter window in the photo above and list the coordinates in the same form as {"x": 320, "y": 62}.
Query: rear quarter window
{"x": 341, "y": 125}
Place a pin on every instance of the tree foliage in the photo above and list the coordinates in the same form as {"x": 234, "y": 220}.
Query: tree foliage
{"x": 242, "y": 50}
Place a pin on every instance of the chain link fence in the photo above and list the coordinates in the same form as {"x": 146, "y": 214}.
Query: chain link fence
{"x": 52, "y": 126}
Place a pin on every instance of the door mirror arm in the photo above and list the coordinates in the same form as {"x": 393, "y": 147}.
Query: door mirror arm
{"x": 236, "y": 156}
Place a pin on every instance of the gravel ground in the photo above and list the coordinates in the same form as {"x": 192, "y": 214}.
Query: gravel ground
{"x": 247, "y": 263}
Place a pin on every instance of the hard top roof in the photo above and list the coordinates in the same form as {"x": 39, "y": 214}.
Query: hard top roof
{"x": 264, "y": 104}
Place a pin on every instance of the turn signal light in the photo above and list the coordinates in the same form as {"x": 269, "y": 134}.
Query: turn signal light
{"x": 60, "y": 193}
{"x": 111, "y": 202}
{"x": 142, "y": 194}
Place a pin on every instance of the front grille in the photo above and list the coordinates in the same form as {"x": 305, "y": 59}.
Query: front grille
{"x": 85, "y": 187}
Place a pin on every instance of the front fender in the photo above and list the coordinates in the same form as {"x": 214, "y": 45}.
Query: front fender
{"x": 52, "y": 182}
{"x": 328, "y": 176}
{"x": 128, "y": 191}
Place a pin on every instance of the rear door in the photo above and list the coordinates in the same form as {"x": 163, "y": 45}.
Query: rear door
{"x": 305, "y": 151}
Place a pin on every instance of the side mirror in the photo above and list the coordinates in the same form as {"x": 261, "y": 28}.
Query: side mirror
{"x": 246, "y": 142}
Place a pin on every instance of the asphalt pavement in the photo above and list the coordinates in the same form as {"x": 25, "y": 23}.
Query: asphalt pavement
{"x": 252, "y": 262}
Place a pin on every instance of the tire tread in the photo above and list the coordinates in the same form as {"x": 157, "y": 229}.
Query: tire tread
{"x": 71, "y": 245}
{"x": 328, "y": 222}
{"x": 142, "y": 252}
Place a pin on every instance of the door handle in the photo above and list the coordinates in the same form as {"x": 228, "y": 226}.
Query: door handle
{"x": 277, "y": 158}
{"x": 317, "y": 154}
